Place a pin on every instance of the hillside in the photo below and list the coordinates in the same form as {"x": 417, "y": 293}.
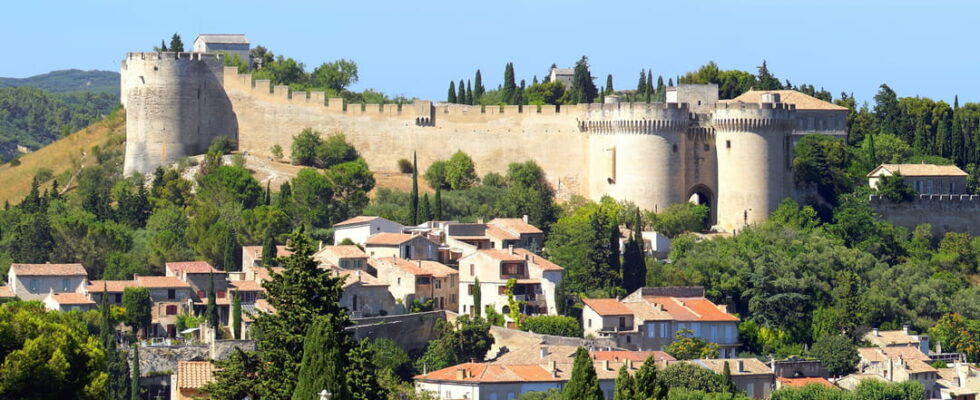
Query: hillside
{"x": 63, "y": 158}
{"x": 69, "y": 80}
{"x": 32, "y": 117}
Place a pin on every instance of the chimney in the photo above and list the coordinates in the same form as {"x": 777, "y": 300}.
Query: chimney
{"x": 939, "y": 347}
{"x": 629, "y": 364}
{"x": 874, "y": 332}
{"x": 510, "y": 248}
{"x": 740, "y": 366}
{"x": 319, "y": 246}
{"x": 905, "y": 329}
{"x": 553, "y": 367}
{"x": 524, "y": 217}
{"x": 544, "y": 352}
{"x": 605, "y": 365}
{"x": 460, "y": 374}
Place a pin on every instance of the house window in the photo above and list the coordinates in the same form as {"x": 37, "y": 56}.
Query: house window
{"x": 201, "y": 294}
{"x": 34, "y": 285}
{"x": 952, "y": 188}
{"x": 469, "y": 290}
{"x": 248, "y": 297}
{"x": 171, "y": 294}
{"x": 117, "y": 297}
{"x": 220, "y": 294}
{"x": 354, "y": 303}
{"x": 750, "y": 389}
{"x": 171, "y": 309}
{"x": 590, "y": 323}
{"x": 629, "y": 339}
{"x": 728, "y": 144}
{"x": 66, "y": 285}
{"x": 438, "y": 283}
{"x": 472, "y": 269}
{"x": 452, "y": 298}
{"x": 622, "y": 323}
{"x": 512, "y": 269}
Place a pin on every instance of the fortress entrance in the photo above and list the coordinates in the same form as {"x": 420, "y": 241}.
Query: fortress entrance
{"x": 702, "y": 195}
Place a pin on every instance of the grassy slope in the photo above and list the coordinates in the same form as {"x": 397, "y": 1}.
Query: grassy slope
{"x": 63, "y": 157}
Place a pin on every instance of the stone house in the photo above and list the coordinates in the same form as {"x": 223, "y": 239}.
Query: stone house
{"x": 750, "y": 375}
{"x": 499, "y": 233}
{"x": 113, "y": 290}
{"x": 252, "y": 255}
{"x": 189, "y": 378}
{"x": 653, "y": 316}
{"x": 536, "y": 279}
{"x": 68, "y": 302}
{"x": 347, "y": 257}
{"x": 402, "y": 245}
{"x": 924, "y": 178}
{"x": 198, "y": 274}
{"x": 898, "y": 338}
{"x": 171, "y": 297}
{"x": 959, "y": 382}
{"x": 422, "y": 280}
{"x": 365, "y": 295}
{"x": 36, "y": 281}
{"x": 899, "y": 364}
{"x": 360, "y": 228}
{"x": 231, "y": 44}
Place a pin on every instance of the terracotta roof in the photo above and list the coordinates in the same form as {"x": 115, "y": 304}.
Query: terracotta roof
{"x": 637, "y": 356}
{"x": 486, "y": 372}
{"x": 891, "y": 338}
{"x": 501, "y": 255}
{"x": 750, "y": 366}
{"x": 247, "y": 286}
{"x": 71, "y": 298}
{"x": 110, "y": 286}
{"x": 262, "y": 273}
{"x": 161, "y": 282}
{"x": 515, "y": 225}
{"x": 194, "y": 374}
{"x": 342, "y": 251}
{"x": 871, "y": 354}
{"x": 801, "y": 382}
{"x": 5, "y": 292}
{"x": 541, "y": 262}
{"x": 389, "y": 239}
{"x": 801, "y": 100}
{"x": 499, "y": 233}
{"x": 905, "y": 353}
{"x": 192, "y": 267}
{"x": 352, "y": 278}
{"x": 263, "y": 305}
{"x": 691, "y": 309}
{"x": 256, "y": 251}
{"x": 438, "y": 269}
{"x": 361, "y": 219}
{"x": 607, "y": 307}
{"x": 920, "y": 170}
{"x": 48, "y": 269}
{"x": 646, "y": 311}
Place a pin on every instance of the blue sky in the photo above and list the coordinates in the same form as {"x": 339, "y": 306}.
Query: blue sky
{"x": 415, "y": 48}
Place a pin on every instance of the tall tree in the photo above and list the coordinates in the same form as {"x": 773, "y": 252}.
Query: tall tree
{"x": 268, "y": 248}
{"x": 135, "y": 392}
{"x": 509, "y": 89}
{"x": 583, "y": 384}
{"x": 609, "y": 85}
{"x": 212, "y": 310}
{"x": 461, "y": 97}
{"x": 138, "y": 306}
{"x": 767, "y": 81}
{"x": 478, "y": 88}
{"x": 641, "y": 84}
{"x": 624, "y": 385}
{"x": 176, "y": 45}
{"x": 425, "y": 209}
{"x": 323, "y": 365}
{"x": 648, "y": 385}
{"x": 236, "y": 316}
{"x": 469, "y": 94}
{"x": 583, "y": 89}
{"x": 437, "y": 210}
{"x": 451, "y": 97}
{"x": 117, "y": 366}
{"x": 726, "y": 379}
{"x": 615, "y": 263}
{"x": 413, "y": 207}
{"x": 231, "y": 249}
{"x": 649, "y": 89}
{"x": 887, "y": 111}
{"x": 634, "y": 263}
{"x": 477, "y": 298}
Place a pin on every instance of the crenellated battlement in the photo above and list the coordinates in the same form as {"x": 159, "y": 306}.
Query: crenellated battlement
{"x": 647, "y": 127}
{"x": 925, "y": 199}
{"x": 944, "y": 212}
{"x": 169, "y": 55}
{"x": 739, "y": 117}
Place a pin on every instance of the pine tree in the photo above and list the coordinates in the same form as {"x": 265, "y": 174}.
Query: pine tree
{"x": 362, "y": 373}
{"x": 324, "y": 363}
{"x": 425, "y": 209}
{"x": 437, "y": 210}
{"x": 583, "y": 385}
{"x": 477, "y": 298}
{"x": 609, "y": 85}
{"x": 509, "y": 89}
{"x": 236, "y": 316}
{"x": 268, "y": 248}
{"x": 641, "y": 84}
{"x": 176, "y": 45}
{"x": 478, "y": 86}
{"x": 451, "y": 97}
{"x": 413, "y": 207}
{"x": 135, "y": 393}
{"x": 624, "y": 385}
{"x": 212, "y": 311}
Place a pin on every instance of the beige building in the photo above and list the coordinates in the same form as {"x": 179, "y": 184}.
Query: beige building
{"x": 36, "y": 281}
{"x": 898, "y": 338}
{"x": 422, "y": 280}
{"x": 650, "y": 318}
{"x": 536, "y": 279}
{"x": 900, "y": 364}
{"x": 252, "y": 255}
{"x": 360, "y": 228}
{"x": 401, "y": 245}
{"x": 924, "y": 178}
{"x": 68, "y": 302}
{"x": 959, "y": 382}
{"x": 231, "y": 44}
{"x": 190, "y": 377}
{"x": 499, "y": 233}
{"x": 750, "y": 375}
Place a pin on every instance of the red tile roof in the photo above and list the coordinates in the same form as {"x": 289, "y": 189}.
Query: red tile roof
{"x": 192, "y": 267}
{"x": 71, "y": 298}
{"x": 801, "y": 382}
{"x": 194, "y": 374}
{"x": 5, "y": 292}
{"x": 343, "y": 251}
{"x": 388, "y": 239}
{"x": 606, "y": 307}
{"x": 356, "y": 220}
{"x": 692, "y": 309}
{"x": 161, "y": 282}
{"x": 48, "y": 269}
{"x": 247, "y": 286}
{"x": 483, "y": 372}
{"x": 500, "y": 233}
{"x": 110, "y": 286}
{"x": 541, "y": 262}
{"x": 501, "y": 255}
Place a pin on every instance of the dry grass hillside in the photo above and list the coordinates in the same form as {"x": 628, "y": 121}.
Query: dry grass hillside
{"x": 63, "y": 158}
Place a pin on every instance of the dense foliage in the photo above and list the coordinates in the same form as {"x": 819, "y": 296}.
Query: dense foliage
{"x": 32, "y": 117}
{"x": 468, "y": 338}
{"x": 557, "y": 325}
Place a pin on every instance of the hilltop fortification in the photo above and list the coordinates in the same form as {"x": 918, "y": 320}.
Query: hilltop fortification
{"x": 733, "y": 155}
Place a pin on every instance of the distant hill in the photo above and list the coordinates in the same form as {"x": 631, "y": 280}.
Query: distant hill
{"x": 69, "y": 80}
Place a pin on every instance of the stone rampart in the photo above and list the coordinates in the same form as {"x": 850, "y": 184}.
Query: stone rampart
{"x": 410, "y": 331}
{"x": 945, "y": 212}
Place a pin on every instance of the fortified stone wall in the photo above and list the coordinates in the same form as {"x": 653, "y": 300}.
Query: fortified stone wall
{"x": 946, "y": 213}
{"x": 410, "y": 331}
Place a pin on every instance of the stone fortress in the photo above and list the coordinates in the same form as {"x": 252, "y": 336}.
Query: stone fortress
{"x": 733, "y": 155}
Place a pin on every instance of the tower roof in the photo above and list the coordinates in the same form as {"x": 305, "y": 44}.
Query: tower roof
{"x": 801, "y": 100}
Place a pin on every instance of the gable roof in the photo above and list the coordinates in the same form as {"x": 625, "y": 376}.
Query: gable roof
{"x": 500, "y": 255}
{"x": 801, "y": 100}
{"x": 358, "y": 220}
{"x": 342, "y": 251}
{"x": 607, "y": 307}
{"x": 161, "y": 282}
{"x": 48, "y": 269}
{"x": 192, "y": 267}
{"x": 801, "y": 382}
{"x": 637, "y": 356}
{"x": 247, "y": 286}
{"x": 229, "y": 38}
{"x": 70, "y": 298}
{"x": 110, "y": 286}
{"x": 692, "y": 309}
{"x": 920, "y": 170}
{"x": 352, "y": 277}
{"x": 539, "y": 261}
{"x": 496, "y": 373}
{"x": 389, "y": 239}
{"x": 194, "y": 374}
{"x": 515, "y": 225}
{"x": 750, "y": 366}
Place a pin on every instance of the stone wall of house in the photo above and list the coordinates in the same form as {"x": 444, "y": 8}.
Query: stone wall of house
{"x": 946, "y": 213}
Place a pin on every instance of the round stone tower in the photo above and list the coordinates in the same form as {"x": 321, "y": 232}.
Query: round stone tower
{"x": 175, "y": 105}
{"x": 636, "y": 152}
{"x": 752, "y": 141}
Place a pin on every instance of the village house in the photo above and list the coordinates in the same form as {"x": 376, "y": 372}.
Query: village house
{"x": 401, "y": 245}
{"x": 190, "y": 377}
{"x": 422, "y": 280}
{"x": 959, "y": 381}
{"x": 252, "y": 255}
{"x": 199, "y": 275}
{"x": 37, "y": 281}
{"x": 112, "y": 290}
{"x": 68, "y": 302}
{"x": 360, "y": 228}
{"x": 898, "y": 338}
{"x": 924, "y": 178}
{"x": 899, "y": 364}
{"x": 750, "y": 375}
{"x": 650, "y": 318}
{"x": 233, "y": 44}
{"x": 499, "y": 233}
{"x": 346, "y": 257}
{"x": 171, "y": 297}
{"x": 535, "y": 280}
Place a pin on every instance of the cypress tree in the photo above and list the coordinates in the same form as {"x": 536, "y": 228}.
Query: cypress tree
{"x": 116, "y": 365}
{"x": 437, "y": 210}
{"x": 461, "y": 97}
{"x": 726, "y": 379}
{"x": 660, "y": 83}
{"x": 212, "y": 311}
{"x": 519, "y": 100}
{"x": 469, "y": 94}
{"x": 323, "y": 365}
{"x": 624, "y": 385}
{"x": 425, "y": 209}
{"x": 649, "y": 82}
{"x": 609, "y": 85}
{"x": 413, "y": 207}
{"x": 508, "y": 91}
{"x": 362, "y": 373}
{"x": 231, "y": 244}
{"x": 285, "y": 196}
{"x": 478, "y": 86}
{"x": 641, "y": 84}
{"x": 268, "y": 248}
{"x": 451, "y": 97}
{"x": 236, "y": 315}
{"x": 477, "y": 298}
{"x": 634, "y": 263}
{"x": 268, "y": 193}
{"x": 614, "y": 236}
{"x": 647, "y": 384}
{"x": 670, "y": 82}
{"x": 134, "y": 378}
{"x": 583, "y": 89}
{"x": 163, "y": 45}
{"x": 583, "y": 385}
